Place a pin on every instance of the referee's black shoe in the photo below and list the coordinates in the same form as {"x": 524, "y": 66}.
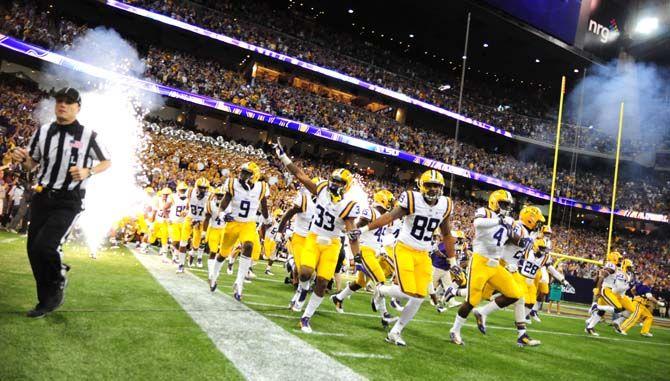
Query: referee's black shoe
{"x": 37, "y": 313}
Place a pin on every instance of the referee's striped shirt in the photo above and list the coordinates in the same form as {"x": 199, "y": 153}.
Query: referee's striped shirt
{"x": 58, "y": 147}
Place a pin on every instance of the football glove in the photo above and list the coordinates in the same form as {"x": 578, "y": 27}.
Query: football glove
{"x": 358, "y": 259}
{"x": 354, "y": 235}
{"x": 566, "y": 284}
{"x": 228, "y": 217}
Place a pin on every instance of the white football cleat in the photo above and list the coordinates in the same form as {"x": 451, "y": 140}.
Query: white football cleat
{"x": 395, "y": 338}
{"x": 455, "y": 338}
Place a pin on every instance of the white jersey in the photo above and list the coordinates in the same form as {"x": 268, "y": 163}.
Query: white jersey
{"x": 422, "y": 219}
{"x": 303, "y": 200}
{"x": 162, "y": 212}
{"x": 178, "y": 209}
{"x": 535, "y": 234}
{"x": 531, "y": 263}
{"x": 329, "y": 216}
{"x": 245, "y": 203}
{"x": 392, "y": 232}
{"x": 216, "y": 219}
{"x": 270, "y": 231}
{"x": 617, "y": 281}
{"x": 490, "y": 235}
{"x": 511, "y": 253}
{"x": 197, "y": 206}
{"x": 373, "y": 239}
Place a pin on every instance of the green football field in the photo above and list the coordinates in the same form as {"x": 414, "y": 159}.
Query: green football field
{"x": 118, "y": 322}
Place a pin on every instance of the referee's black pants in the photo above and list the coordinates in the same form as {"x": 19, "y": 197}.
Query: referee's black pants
{"x": 52, "y": 215}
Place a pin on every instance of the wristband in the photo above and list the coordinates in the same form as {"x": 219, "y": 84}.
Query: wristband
{"x": 285, "y": 159}
{"x": 364, "y": 229}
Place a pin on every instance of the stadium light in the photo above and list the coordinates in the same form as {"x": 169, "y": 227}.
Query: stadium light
{"x": 411, "y": 36}
{"x": 576, "y": 70}
{"x": 537, "y": 60}
{"x": 486, "y": 45}
{"x": 646, "y": 25}
{"x": 350, "y": 11}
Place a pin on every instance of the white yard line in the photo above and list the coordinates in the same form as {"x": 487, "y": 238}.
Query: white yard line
{"x": 362, "y": 355}
{"x": 248, "y": 339}
{"x": 319, "y": 333}
{"x": 488, "y": 326}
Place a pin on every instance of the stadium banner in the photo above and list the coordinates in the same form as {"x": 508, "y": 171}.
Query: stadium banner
{"x": 305, "y": 65}
{"x": 321, "y": 132}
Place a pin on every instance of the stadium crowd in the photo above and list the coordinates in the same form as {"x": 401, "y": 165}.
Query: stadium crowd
{"x": 172, "y": 157}
{"x": 208, "y": 77}
{"x": 506, "y": 106}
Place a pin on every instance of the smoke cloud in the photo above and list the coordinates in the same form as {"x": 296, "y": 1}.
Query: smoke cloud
{"x": 645, "y": 91}
{"x": 115, "y": 112}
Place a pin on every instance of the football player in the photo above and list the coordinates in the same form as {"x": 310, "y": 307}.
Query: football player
{"x": 145, "y": 219}
{"x": 493, "y": 227}
{"x": 611, "y": 297}
{"x": 177, "y": 215}
{"x": 424, "y": 212}
{"x": 530, "y": 218}
{"x": 161, "y": 217}
{"x": 542, "y": 278}
{"x": 192, "y": 227}
{"x": 442, "y": 276}
{"x": 643, "y": 301}
{"x": 368, "y": 263}
{"x": 245, "y": 195}
{"x": 269, "y": 243}
{"x": 333, "y": 212}
{"x": 214, "y": 224}
{"x": 302, "y": 209}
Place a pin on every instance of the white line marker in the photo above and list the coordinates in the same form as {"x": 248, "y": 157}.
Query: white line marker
{"x": 247, "y": 338}
{"x": 362, "y": 355}
{"x": 8, "y": 240}
{"x": 319, "y": 333}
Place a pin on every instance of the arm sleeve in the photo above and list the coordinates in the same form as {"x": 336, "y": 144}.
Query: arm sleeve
{"x": 98, "y": 151}
{"x": 555, "y": 273}
{"x": 34, "y": 146}
{"x": 484, "y": 219}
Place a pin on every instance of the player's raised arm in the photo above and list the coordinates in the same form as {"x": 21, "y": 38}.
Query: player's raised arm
{"x": 294, "y": 169}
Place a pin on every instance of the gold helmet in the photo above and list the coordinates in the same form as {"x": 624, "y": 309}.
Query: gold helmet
{"x": 540, "y": 246}
{"x": 277, "y": 213}
{"x": 250, "y": 172}
{"x": 340, "y": 182}
{"x": 431, "y": 176}
{"x": 626, "y": 265}
{"x": 166, "y": 191}
{"x": 384, "y": 198}
{"x": 182, "y": 188}
{"x": 150, "y": 191}
{"x": 530, "y": 216}
{"x": 501, "y": 201}
{"x": 202, "y": 183}
{"x": 614, "y": 257}
{"x": 316, "y": 180}
{"x": 459, "y": 235}
{"x": 546, "y": 231}
{"x": 219, "y": 192}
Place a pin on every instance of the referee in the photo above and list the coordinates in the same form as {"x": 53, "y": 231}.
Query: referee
{"x": 65, "y": 154}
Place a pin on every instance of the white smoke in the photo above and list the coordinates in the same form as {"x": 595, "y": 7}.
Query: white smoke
{"x": 115, "y": 112}
{"x": 644, "y": 89}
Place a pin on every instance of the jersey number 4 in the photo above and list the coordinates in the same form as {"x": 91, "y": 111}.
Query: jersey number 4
{"x": 424, "y": 227}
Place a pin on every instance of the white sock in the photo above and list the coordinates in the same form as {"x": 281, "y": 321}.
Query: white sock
{"x": 210, "y": 268}
{"x": 462, "y": 292}
{"x": 182, "y": 258}
{"x": 393, "y": 291}
{"x": 242, "y": 270}
{"x": 519, "y": 311}
{"x": 595, "y": 318}
{"x": 458, "y": 323}
{"x": 314, "y": 303}
{"x": 407, "y": 314}
{"x": 536, "y": 307}
{"x": 199, "y": 253}
{"x": 304, "y": 284}
{"x": 521, "y": 331}
{"x": 381, "y": 306}
{"x": 217, "y": 269}
{"x": 606, "y": 308}
{"x": 489, "y": 308}
{"x": 294, "y": 299}
{"x": 231, "y": 259}
{"x": 344, "y": 293}
{"x": 431, "y": 289}
{"x": 619, "y": 320}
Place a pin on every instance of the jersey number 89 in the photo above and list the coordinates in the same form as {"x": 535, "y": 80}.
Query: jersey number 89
{"x": 423, "y": 228}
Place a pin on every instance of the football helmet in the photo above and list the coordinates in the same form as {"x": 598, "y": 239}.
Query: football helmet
{"x": 546, "y": 231}
{"x": 219, "y": 192}
{"x": 150, "y": 191}
{"x": 614, "y": 257}
{"x": 530, "y": 216}
{"x": 340, "y": 182}
{"x": 165, "y": 192}
{"x": 250, "y": 173}
{"x": 384, "y": 198}
{"x": 501, "y": 202}
{"x": 540, "y": 247}
{"x": 626, "y": 265}
{"x": 182, "y": 188}
{"x": 201, "y": 186}
{"x": 434, "y": 178}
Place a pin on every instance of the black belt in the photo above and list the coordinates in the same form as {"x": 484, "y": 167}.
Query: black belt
{"x": 62, "y": 194}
